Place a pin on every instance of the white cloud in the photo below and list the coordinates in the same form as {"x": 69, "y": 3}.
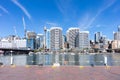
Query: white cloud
{"x": 22, "y": 8}
{"x": 3, "y": 9}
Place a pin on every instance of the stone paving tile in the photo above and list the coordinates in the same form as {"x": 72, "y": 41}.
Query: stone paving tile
{"x": 59, "y": 73}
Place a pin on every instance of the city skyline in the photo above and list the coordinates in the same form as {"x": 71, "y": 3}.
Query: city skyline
{"x": 88, "y": 15}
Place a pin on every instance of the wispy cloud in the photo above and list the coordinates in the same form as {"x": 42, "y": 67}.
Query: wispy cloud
{"x": 22, "y": 8}
{"x": 89, "y": 21}
{"x": 83, "y": 21}
{"x": 4, "y": 9}
{"x": 67, "y": 8}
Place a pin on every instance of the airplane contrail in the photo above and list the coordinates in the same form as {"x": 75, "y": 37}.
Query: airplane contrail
{"x": 24, "y": 23}
{"x": 97, "y": 14}
{"x": 3, "y": 9}
{"x": 22, "y": 8}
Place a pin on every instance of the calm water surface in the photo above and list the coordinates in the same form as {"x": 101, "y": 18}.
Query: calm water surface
{"x": 64, "y": 59}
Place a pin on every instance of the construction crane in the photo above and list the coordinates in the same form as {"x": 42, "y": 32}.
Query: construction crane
{"x": 24, "y": 25}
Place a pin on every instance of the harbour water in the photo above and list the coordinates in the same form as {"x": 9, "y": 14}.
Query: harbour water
{"x": 65, "y": 59}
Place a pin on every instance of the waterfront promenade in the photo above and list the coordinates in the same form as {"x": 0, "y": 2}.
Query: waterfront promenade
{"x": 59, "y": 73}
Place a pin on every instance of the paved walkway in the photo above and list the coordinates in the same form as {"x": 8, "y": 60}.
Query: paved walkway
{"x": 59, "y": 73}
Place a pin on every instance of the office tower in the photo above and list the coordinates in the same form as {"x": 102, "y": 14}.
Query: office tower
{"x": 40, "y": 41}
{"x": 97, "y": 37}
{"x": 64, "y": 42}
{"x": 119, "y": 28}
{"x": 55, "y": 38}
{"x": 72, "y": 34}
{"x": 117, "y": 34}
{"x": 83, "y": 42}
{"x": 116, "y": 41}
{"x": 31, "y": 42}
{"x": 48, "y": 39}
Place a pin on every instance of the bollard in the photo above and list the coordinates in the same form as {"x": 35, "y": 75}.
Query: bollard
{"x": 1, "y": 64}
{"x": 107, "y": 67}
{"x": 27, "y": 66}
{"x": 92, "y": 65}
{"x": 81, "y": 67}
{"x": 13, "y": 66}
{"x": 40, "y": 64}
{"x": 56, "y": 65}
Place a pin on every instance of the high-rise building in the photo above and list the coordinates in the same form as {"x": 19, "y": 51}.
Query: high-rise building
{"x": 72, "y": 34}
{"x": 40, "y": 41}
{"x": 55, "y": 38}
{"x": 116, "y": 41}
{"x": 83, "y": 40}
{"x": 117, "y": 34}
{"x": 97, "y": 37}
{"x": 48, "y": 39}
{"x": 115, "y": 44}
{"x": 31, "y": 40}
{"x": 64, "y": 42}
{"x": 119, "y": 28}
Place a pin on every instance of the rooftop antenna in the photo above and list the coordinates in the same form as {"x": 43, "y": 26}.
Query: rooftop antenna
{"x": 24, "y": 25}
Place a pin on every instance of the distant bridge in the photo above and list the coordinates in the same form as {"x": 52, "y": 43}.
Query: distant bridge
{"x": 15, "y": 50}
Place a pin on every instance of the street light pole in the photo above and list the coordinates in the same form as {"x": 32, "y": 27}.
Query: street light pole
{"x": 11, "y": 59}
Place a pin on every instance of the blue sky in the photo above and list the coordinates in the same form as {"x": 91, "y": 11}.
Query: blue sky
{"x": 90, "y": 15}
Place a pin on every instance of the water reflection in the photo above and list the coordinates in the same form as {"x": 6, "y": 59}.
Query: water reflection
{"x": 64, "y": 59}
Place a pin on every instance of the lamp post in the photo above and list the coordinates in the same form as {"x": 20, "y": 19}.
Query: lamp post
{"x": 45, "y": 29}
{"x": 11, "y": 59}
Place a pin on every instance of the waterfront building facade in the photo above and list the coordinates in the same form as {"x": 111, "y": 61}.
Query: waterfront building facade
{"x": 117, "y": 34}
{"x": 55, "y": 38}
{"x": 21, "y": 44}
{"x": 83, "y": 40}
{"x": 39, "y": 41}
{"x": 5, "y": 43}
{"x": 116, "y": 44}
{"x": 31, "y": 40}
{"x": 72, "y": 34}
{"x": 13, "y": 42}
